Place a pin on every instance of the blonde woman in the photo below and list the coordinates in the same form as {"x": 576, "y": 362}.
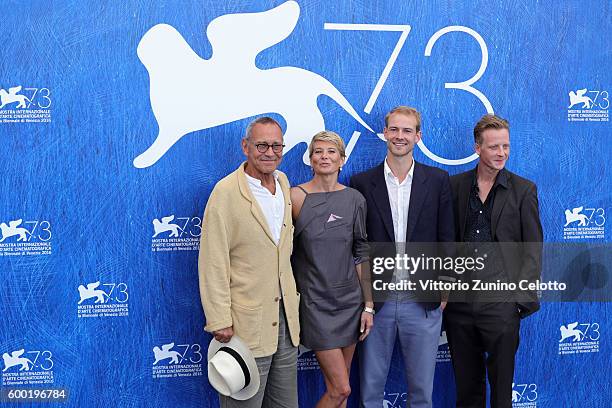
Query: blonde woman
{"x": 330, "y": 259}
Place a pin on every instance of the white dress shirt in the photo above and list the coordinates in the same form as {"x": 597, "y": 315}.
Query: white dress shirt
{"x": 272, "y": 205}
{"x": 399, "y": 199}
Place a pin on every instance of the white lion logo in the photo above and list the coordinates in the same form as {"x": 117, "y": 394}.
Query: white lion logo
{"x": 15, "y": 359}
{"x": 570, "y": 331}
{"x": 580, "y": 97}
{"x": 90, "y": 292}
{"x": 166, "y": 352}
{"x": 574, "y": 215}
{"x": 516, "y": 396}
{"x": 12, "y": 97}
{"x": 13, "y": 228}
{"x": 443, "y": 339}
{"x": 164, "y": 225}
{"x": 189, "y": 93}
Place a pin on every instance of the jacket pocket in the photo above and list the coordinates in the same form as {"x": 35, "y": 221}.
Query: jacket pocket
{"x": 340, "y": 296}
{"x": 336, "y": 224}
{"x": 247, "y": 323}
{"x": 338, "y": 231}
{"x": 342, "y": 284}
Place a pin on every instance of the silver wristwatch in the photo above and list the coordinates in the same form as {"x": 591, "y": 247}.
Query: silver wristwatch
{"x": 369, "y": 310}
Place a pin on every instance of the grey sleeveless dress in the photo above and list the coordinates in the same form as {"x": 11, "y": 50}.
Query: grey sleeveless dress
{"x": 330, "y": 237}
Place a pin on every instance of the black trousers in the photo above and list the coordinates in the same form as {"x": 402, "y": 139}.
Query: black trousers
{"x": 483, "y": 339}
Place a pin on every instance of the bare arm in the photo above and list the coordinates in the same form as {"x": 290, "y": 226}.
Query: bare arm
{"x": 365, "y": 282}
{"x": 297, "y": 200}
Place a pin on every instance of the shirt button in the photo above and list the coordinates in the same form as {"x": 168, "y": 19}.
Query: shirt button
{"x": 276, "y": 299}
{"x": 274, "y": 323}
{"x": 480, "y": 211}
{"x": 478, "y": 231}
{"x": 475, "y": 250}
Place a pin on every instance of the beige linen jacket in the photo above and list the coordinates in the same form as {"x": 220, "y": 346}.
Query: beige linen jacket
{"x": 243, "y": 274}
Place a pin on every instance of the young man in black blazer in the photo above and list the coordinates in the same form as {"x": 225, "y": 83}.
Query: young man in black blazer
{"x": 493, "y": 205}
{"x": 407, "y": 202}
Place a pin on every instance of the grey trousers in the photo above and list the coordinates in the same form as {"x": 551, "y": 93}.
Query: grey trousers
{"x": 278, "y": 376}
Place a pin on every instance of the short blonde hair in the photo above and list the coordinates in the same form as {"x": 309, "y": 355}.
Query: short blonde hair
{"x": 327, "y": 136}
{"x": 405, "y": 110}
{"x": 489, "y": 121}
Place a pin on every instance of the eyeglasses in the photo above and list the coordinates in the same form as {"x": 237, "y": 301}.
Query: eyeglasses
{"x": 263, "y": 147}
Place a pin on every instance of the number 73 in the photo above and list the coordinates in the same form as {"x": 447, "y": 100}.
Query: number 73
{"x": 464, "y": 85}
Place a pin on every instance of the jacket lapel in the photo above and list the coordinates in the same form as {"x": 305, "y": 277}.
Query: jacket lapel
{"x": 380, "y": 197}
{"x": 287, "y": 220}
{"x": 255, "y": 208}
{"x": 418, "y": 192}
{"x": 463, "y": 198}
{"x": 501, "y": 196}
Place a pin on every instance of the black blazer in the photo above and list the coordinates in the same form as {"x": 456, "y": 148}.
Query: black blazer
{"x": 514, "y": 219}
{"x": 430, "y": 213}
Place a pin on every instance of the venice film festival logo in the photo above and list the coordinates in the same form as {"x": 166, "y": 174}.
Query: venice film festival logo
{"x": 181, "y": 360}
{"x": 25, "y": 105}
{"x": 578, "y": 338}
{"x": 176, "y": 234}
{"x": 588, "y": 106}
{"x": 443, "y": 355}
{"x": 306, "y": 359}
{"x": 23, "y": 367}
{"x": 25, "y": 238}
{"x": 584, "y": 223}
{"x": 179, "y": 79}
{"x": 524, "y": 395}
{"x": 395, "y": 399}
{"x": 98, "y": 299}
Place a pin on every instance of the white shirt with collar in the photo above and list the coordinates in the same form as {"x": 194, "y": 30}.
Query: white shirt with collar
{"x": 272, "y": 205}
{"x": 399, "y": 200}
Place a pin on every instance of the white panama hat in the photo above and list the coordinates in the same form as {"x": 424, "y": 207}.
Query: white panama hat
{"x": 232, "y": 370}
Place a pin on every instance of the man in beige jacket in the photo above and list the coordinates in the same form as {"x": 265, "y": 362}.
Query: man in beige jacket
{"x": 246, "y": 282}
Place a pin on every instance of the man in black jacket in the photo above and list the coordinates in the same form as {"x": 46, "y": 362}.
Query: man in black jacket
{"x": 496, "y": 212}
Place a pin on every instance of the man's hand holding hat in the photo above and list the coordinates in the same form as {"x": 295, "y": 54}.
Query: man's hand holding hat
{"x": 224, "y": 335}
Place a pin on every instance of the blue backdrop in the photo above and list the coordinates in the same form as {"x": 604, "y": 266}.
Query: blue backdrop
{"x": 99, "y": 293}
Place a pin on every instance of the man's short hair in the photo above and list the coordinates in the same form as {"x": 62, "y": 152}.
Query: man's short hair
{"x": 489, "y": 121}
{"x": 263, "y": 120}
{"x": 327, "y": 136}
{"x": 405, "y": 110}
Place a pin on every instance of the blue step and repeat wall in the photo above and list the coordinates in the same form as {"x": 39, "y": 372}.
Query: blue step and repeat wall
{"x": 118, "y": 117}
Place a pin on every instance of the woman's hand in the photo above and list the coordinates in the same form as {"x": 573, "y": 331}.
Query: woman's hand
{"x": 367, "y": 322}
